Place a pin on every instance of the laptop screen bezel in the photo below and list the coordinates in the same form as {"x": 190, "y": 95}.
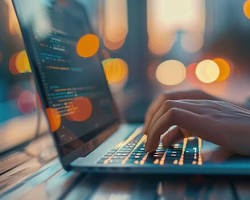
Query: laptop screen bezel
{"x": 102, "y": 135}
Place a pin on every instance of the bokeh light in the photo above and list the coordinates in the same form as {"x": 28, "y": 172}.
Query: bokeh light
{"x": 80, "y": 109}
{"x": 161, "y": 36}
{"x": 115, "y": 24}
{"x": 171, "y": 72}
{"x": 88, "y": 45}
{"x": 22, "y": 62}
{"x": 26, "y": 101}
{"x": 246, "y": 9}
{"x": 12, "y": 64}
{"x": 191, "y": 77}
{"x": 13, "y": 25}
{"x": 116, "y": 70}
{"x": 224, "y": 69}
{"x": 207, "y": 71}
{"x": 161, "y": 46}
{"x": 54, "y": 119}
{"x": 113, "y": 46}
{"x": 104, "y": 62}
{"x": 165, "y": 18}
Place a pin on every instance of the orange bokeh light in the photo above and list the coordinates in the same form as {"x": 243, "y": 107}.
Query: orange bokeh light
{"x": 54, "y": 119}
{"x": 88, "y": 45}
{"x": 26, "y": 101}
{"x": 113, "y": 45}
{"x": 114, "y": 24}
{"x": 13, "y": 25}
{"x": 80, "y": 109}
{"x": 116, "y": 70}
{"x": 246, "y": 9}
{"x": 163, "y": 45}
{"x": 224, "y": 69}
{"x": 22, "y": 62}
{"x": 12, "y": 64}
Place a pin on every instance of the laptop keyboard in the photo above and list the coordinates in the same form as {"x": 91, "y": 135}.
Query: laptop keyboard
{"x": 132, "y": 151}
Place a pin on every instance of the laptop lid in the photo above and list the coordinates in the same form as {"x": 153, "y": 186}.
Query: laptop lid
{"x": 65, "y": 60}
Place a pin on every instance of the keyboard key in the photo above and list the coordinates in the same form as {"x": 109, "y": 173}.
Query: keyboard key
{"x": 135, "y": 153}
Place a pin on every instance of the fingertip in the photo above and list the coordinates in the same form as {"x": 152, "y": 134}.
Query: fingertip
{"x": 151, "y": 147}
{"x": 145, "y": 127}
{"x": 148, "y": 147}
{"x": 144, "y": 132}
{"x": 166, "y": 145}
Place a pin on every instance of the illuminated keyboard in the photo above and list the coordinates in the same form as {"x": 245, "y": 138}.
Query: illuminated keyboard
{"x": 132, "y": 151}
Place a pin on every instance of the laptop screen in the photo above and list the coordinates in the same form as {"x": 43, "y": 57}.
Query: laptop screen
{"x": 64, "y": 55}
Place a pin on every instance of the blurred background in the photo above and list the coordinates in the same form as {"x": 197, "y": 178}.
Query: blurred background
{"x": 148, "y": 47}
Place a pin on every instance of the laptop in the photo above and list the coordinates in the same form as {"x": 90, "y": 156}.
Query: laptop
{"x": 84, "y": 120}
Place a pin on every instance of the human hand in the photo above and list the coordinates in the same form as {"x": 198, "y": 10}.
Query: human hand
{"x": 220, "y": 122}
{"x": 157, "y": 103}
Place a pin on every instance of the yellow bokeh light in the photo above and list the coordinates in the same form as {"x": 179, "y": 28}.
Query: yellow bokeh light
{"x": 171, "y": 72}
{"x": 116, "y": 70}
{"x": 88, "y": 45}
{"x": 224, "y": 69}
{"x": 207, "y": 71}
{"x": 246, "y": 9}
{"x": 104, "y": 62}
{"x": 166, "y": 17}
{"x": 22, "y": 62}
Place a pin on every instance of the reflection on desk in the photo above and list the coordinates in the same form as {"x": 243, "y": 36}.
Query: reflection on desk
{"x": 21, "y": 129}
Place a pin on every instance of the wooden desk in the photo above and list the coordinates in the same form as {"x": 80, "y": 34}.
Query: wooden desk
{"x": 36, "y": 173}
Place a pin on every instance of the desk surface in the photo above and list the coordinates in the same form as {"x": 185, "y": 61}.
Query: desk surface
{"x": 34, "y": 172}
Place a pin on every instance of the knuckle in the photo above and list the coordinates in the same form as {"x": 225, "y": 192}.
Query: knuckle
{"x": 172, "y": 113}
{"x": 163, "y": 96}
{"x": 168, "y": 104}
